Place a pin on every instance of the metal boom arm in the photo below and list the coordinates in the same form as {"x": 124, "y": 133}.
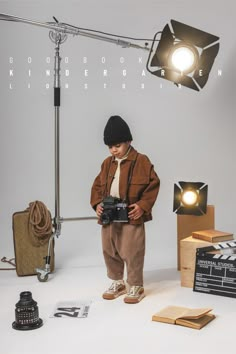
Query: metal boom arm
{"x": 67, "y": 29}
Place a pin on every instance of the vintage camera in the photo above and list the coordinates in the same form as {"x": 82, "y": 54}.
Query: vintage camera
{"x": 114, "y": 209}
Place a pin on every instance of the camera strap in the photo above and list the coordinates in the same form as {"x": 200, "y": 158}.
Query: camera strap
{"x": 131, "y": 169}
{"x": 105, "y": 191}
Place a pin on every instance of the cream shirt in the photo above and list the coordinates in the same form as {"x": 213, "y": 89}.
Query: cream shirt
{"x": 114, "y": 192}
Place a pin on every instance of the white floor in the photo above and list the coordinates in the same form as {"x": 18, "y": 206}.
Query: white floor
{"x": 112, "y": 327}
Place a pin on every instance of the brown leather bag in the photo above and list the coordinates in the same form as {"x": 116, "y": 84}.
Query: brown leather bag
{"x": 30, "y": 250}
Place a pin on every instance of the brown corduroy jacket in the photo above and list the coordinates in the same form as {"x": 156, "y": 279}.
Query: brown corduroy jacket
{"x": 142, "y": 190}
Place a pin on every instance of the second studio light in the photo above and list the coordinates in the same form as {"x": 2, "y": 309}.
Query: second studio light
{"x": 184, "y": 55}
{"x": 190, "y": 198}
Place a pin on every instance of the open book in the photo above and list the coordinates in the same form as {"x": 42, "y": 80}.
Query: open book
{"x": 193, "y": 318}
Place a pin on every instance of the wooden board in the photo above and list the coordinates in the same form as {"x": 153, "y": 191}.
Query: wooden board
{"x": 186, "y": 224}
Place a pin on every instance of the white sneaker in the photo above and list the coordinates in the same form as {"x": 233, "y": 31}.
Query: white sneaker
{"x": 116, "y": 289}
{"x": 134, "y": 295}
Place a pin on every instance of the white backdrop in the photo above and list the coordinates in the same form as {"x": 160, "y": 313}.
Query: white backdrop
{"x": 188, "y": 135}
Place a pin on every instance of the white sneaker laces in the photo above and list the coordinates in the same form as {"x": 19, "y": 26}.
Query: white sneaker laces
{"x": 133, "y": 291}
{"x": 114, "y": 286}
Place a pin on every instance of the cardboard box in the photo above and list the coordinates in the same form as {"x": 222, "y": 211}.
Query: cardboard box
{"x": 188, "y": 247}
{"x": 186, "y": 224}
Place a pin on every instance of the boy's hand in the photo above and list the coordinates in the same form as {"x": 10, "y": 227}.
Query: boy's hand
{"x": 136, "y": 211}
{"x": 99, "y": 210}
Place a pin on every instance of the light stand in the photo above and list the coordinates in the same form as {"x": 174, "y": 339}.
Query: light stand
{"x": 58, "y": 35}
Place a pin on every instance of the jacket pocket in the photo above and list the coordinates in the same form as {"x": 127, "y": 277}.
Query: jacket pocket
{"x": 137, "y": 186}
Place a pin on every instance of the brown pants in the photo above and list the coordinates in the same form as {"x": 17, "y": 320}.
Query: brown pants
{"x": 124, "y": 244}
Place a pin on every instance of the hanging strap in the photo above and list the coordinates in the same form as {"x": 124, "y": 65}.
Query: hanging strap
{"x": 105, "y": 191}
{"x": 9, "y": 261}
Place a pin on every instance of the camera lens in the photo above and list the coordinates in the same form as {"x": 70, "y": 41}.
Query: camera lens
{"x": 105, "y": 219}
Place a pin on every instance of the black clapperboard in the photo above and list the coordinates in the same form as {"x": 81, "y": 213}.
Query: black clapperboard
{"x": 215, "y": 269}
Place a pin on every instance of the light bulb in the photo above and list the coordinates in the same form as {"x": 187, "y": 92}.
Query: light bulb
{"x": 190, "y": 197}
{"x": 183, "y": 59}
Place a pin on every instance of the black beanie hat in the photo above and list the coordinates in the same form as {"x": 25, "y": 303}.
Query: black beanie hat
{"x": 116, "y": 131}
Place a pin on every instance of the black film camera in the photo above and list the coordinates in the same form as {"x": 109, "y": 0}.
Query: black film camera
{"x": 114, "y": 209}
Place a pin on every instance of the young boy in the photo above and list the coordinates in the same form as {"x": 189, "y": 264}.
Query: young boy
{"x": 129, "y": 180}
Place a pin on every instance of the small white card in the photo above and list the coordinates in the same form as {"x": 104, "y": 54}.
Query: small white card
{"x": 71, "y": 309}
